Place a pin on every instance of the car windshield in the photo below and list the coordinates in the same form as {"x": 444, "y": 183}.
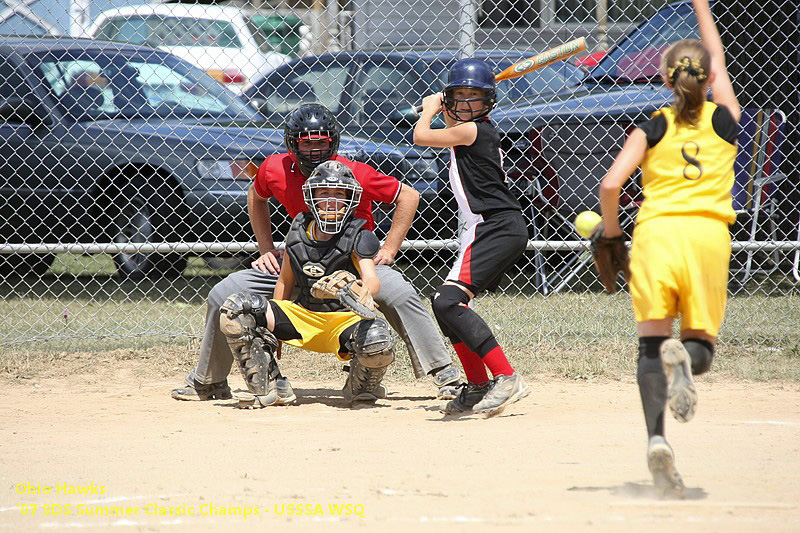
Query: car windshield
{"x": 90, "y": 85}
{"x": 158, "y": 30}
{"x": 547, "y": 80}
{"x": 638, "y": 56}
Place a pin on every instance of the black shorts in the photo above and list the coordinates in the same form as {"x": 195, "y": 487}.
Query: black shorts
{"x": 488, "y": 249}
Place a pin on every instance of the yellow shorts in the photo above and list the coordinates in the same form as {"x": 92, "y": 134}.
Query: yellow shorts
{"x": 679, "y": 266}
{"x": 320, "y": 331}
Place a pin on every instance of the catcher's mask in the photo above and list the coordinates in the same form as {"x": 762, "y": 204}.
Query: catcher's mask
{"x": 331, "y": 193}
{"x": 311, "y": 122}
{"x": 470, "y": 74}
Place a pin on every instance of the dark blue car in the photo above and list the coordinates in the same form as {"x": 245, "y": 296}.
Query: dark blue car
{"x": 569, "y": 142}
{"x": 373, "y": 92}
{"x": 105, "y": 142}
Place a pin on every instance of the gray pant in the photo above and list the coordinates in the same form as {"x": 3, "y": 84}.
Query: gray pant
{"x": 398, "y": 301}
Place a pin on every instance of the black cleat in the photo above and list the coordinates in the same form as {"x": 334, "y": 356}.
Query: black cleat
{"x": 468, "y": 396}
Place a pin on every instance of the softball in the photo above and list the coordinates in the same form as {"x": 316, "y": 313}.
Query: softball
{"x": 585, "y": 223}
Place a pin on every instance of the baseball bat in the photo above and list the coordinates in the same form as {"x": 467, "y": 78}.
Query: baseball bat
{"x": 559, "y": 53}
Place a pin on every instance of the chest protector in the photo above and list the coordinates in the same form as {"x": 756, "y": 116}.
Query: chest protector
{"x": 312, "y": 260}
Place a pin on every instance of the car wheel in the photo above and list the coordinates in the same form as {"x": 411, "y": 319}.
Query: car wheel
{"x": 25, "y": 264}
{"x": 135, "y": 223}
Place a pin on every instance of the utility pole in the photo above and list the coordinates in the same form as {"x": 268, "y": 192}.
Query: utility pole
{"x": 466, "y": 33}
{"x": 601, "y": 33}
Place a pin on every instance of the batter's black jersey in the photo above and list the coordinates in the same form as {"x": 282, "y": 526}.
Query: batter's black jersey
{"x": 477, "y": 176}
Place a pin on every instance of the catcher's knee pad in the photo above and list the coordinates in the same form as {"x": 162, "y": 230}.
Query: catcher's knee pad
{"x": 373, "y": 343}
{"x": 458, "y": 322}
{"x": 701, "y": 352}
{"x": 244, "y": 323}
{"x": 242, "y": 311}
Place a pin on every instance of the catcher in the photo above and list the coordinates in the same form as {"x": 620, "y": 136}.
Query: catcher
{"x": 330, "y": 261}
{"x": 681, "y": 243}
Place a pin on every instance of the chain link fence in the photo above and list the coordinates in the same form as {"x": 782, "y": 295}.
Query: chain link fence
{"x": 130, "y": 134}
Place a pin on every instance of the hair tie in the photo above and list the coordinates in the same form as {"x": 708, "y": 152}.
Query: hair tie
{"x": 689, "y": 66}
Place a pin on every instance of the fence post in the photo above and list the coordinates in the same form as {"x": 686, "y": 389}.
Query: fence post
{"x": 466, "y": 32}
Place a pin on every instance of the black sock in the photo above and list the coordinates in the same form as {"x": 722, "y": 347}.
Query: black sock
{"x": 701, "y": 352}
{"x": 652, "y": 384}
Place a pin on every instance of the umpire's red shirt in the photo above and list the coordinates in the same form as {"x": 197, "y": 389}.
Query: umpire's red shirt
{"x": 280, "y": 177}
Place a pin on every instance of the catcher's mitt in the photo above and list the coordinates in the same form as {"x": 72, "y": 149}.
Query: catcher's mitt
{"x": 350, "y": 291}
{"x": 358, "y": 299}
{"x": 610, "y": 258}
{"x": 328, "y": 287}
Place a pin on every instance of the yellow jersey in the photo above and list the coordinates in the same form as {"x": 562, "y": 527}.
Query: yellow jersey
{"x": 688, "y": 170}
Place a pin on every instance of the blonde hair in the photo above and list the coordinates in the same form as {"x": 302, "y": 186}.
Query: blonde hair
{"x": 687, "y": 64}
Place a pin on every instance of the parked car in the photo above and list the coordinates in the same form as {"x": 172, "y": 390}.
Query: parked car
{"x": 373, "y": 92}
{"x": 569, "y": 143}
{"x": 105, "y": 142}
{"x": 590, "y": 60}
{"x": 224, "y": 41}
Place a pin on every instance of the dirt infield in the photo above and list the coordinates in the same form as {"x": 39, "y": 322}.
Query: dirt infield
{"x": 118, "y": 451}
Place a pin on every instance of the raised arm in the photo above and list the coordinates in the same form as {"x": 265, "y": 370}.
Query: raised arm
{"x": 721, "y": 87}
{"x": 453, "y": 135}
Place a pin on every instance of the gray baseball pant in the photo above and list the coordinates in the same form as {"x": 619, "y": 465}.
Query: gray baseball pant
{"x": 397, "y": 299}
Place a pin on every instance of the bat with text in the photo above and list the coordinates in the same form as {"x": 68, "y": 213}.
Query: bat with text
{"x": 559, "y": 53}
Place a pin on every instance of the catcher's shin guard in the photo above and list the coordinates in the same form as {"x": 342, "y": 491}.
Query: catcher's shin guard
{"x": 243, "y": 321}
{"x": 373, "y": 352}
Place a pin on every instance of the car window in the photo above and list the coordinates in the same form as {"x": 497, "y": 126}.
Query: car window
{"x": 543, "y": 81}
{"x": 158, "y": 31}
{"x": 316, "y": 82}
{"x": 11, "y": 82}
{"x": 261, "y": 39}
{"x": 385, "y": 89}
{"x": 80, "y": 86}
{"x": 90, "y": 86}
{"x": 638, "y": 56}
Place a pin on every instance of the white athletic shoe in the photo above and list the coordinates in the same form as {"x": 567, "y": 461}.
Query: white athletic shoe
{"x": 661, "y": 462}
{"x": 503, "y": 391}
{"x": 682, "y": 394}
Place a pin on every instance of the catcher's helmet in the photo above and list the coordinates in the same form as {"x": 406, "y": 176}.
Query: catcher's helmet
{"x": 311, "y": 122}
{"x": 472, "y": 74}
{"x": 331, "y": 193}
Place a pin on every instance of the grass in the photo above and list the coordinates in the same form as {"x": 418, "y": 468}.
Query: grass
{"x": 80, "y": 317}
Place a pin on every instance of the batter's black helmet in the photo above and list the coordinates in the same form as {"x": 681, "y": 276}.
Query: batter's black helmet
{"x": 470, "y": 74}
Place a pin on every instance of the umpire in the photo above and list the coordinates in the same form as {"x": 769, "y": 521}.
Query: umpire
{"x": 312, "y": 136}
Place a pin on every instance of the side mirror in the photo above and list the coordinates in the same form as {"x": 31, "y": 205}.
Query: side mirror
{"x": 26, "y": 110}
